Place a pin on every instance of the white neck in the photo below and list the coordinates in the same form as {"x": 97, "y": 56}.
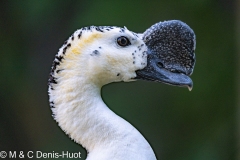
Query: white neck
{"x": 82, "y": 114}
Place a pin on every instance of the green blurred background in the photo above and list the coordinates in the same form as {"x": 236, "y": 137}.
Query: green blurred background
{"x": 179, "y": 125}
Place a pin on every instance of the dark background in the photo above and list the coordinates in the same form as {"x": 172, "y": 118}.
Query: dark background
{"x": 179, "y": 125}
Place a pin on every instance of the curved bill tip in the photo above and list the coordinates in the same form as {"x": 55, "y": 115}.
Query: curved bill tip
{"x": 190, "y": 87}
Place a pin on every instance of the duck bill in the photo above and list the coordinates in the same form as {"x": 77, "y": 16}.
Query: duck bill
{"x": 170, "y": 54}
{"x": 155, "y": 72}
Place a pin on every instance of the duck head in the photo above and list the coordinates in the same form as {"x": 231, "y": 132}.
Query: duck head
{"x": 105, "y": 54}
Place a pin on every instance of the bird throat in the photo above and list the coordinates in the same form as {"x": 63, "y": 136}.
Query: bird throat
{"x": 82, "y": 114}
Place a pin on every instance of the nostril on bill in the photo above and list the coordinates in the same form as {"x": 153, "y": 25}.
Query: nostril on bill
{"x": 160, "y": 65}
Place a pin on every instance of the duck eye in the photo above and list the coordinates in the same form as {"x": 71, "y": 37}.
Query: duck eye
{"x": 123, "y": 41}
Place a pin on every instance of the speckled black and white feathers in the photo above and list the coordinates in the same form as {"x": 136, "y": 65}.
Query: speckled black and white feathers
{"x": 173, "y": 43}
{"x": 67, "y": 44}
{"x": 96, "y": 52}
